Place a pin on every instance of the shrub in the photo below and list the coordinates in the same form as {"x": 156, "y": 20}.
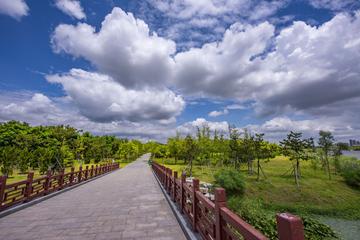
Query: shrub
{"x": 351, "y": 173}
{"x": 231, "y": 180}
{"x": 254, "y": 213}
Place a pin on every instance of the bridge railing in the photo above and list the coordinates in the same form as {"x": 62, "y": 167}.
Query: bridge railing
{"x": 26, "y": 190}
{"x": 213, "y": 220}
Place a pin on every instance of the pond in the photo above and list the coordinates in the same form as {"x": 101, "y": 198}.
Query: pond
{"x": 352, "y": 153}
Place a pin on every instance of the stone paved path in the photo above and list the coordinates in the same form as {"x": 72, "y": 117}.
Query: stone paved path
{"x": 125, "y": 204}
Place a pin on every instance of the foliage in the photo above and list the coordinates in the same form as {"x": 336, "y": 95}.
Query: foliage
{"x": 230, "y": 179}
{"x": 253, "y": 212}
{"x": 56, "y": 147}
{"x": 326, "y": 142}
{"x": 351, "y": 173}
{"x": 296, "y": 149}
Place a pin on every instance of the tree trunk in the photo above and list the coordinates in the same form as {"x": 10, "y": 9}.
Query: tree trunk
{"x": 328, "y": 166}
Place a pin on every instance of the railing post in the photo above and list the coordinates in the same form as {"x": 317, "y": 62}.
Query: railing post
{"x": 289, "y": 227}
{"x": 195, "y": 188}
{"x": 220, "y": 201}
{"x": 47, "y": 182}
{"x": 92, "y": 171}
{"x": 174, "y": 186}
{"x": 96, "y": 170}
{"x": 166, "y": 178}
{"x": 28, "y": 188}
{"x": 71, "y": 178}
{"x": 80, "y": 173}
{"x": 2, "y": 189}
{"x": 182, "y": 202}
{"x": 86, "y": 172}
{"x": 61, "y": 179}
{"x": 170, "y": 184}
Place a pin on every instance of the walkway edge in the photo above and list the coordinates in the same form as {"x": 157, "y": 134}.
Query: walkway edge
{"x": 184, "y": 224}
{"x": 21, "y": 206}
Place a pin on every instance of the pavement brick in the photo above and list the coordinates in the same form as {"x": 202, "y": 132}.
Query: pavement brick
{"x": 126, "y": 204}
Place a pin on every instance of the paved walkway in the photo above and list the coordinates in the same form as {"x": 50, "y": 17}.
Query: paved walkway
{"x": 125, "y": 204}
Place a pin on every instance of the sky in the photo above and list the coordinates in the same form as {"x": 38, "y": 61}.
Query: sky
{"x": 149, "y": 69}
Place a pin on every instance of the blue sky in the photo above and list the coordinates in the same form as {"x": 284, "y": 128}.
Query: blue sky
{"x": 147, "y": 69}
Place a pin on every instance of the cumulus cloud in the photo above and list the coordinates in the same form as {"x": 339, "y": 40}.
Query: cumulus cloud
{"x": 192, "y": 22}
{"x": 101, "y": 99}
{"x": 303, "y": 70}
{"x": 218, "y": 113}
{"x": 71, "y": 7}
{"x": 14, "y": 8}
{"x": 195, "y": 8}
{"x": 226, "y": 110}
{"x": 38, "y": 109}
{"x": 309, "y": 67}
{"x": 190, "y": 128}
{"x": 335, "y": 4}
{"x": 124, "y": 48}
{"x": 225, "y": 69}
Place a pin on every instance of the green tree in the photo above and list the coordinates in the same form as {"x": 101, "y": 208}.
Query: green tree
{"x": 297, "y": 150}
{"x": 191, "y": 151}
{"x": 326, "y": 142}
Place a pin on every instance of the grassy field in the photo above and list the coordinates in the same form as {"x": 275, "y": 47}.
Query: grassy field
{"x": 17, "y": 176}
{"x": 316, "y": 195}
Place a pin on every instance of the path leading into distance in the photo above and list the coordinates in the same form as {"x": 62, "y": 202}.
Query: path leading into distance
{"x": 125, "y": 204}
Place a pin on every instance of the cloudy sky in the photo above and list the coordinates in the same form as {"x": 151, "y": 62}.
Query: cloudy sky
{"x": 146, "y": 69}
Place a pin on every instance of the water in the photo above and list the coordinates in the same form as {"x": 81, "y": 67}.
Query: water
{"x": 352, "y": 153}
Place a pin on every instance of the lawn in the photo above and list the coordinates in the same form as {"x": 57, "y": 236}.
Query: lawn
{"x": 316, "y": 194}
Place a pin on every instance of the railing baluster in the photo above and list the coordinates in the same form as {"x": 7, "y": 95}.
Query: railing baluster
{"x": 182, "y": 201}
{"x": 220, "y": 201}
{"x": 28, "y": 188}
{"x": 2, "y": 189}
{"x": 80, "y": 174}
{"x": 195, "y": 188}
{"x": 174, "y": 186}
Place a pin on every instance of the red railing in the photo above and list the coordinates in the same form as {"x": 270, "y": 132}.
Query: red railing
{"x": 26, "y": 190}
{"x": 213, "y": 220}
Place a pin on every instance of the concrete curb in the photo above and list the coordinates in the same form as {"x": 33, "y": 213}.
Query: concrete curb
{"x": 184, "y": 224}
{"x": 21, "y": 206}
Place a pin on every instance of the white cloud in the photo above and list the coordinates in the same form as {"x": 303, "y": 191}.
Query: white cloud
{"x": 225, "y": 68}
{"x": 123, "y": 48}
{"x": 190, "y": 8}
{"x": 71, "y": 7}
{"x": 192, "y": 22}
{"x": 218, "y": 113}
{"x": 38, "y": 109}
{"x": 101, "y": 99}
{"x": 335, "y": 4}
{"x": 191, "y": 127}
{"x": 309, "y": 66}
{"x": 14, "y": 8}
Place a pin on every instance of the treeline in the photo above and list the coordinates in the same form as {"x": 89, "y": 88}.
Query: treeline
{"x": 24, "y": 147}
{"x": 243, "y": 148}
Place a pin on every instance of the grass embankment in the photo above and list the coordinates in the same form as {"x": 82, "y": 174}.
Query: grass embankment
{"x": 316, "y": 195}
{"x": 17, "y": 176}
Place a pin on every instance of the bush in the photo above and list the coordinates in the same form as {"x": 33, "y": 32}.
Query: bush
{"x": 231, "y": 180}
{"x": 264, "y": 220}
{"x": 351, "y": 173}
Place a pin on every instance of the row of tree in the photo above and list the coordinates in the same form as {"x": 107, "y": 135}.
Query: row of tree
{"x": 242, "y": 147}
{"x": 55, "y": 147}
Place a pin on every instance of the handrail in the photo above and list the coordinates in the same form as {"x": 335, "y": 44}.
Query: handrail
{"x": 26, "y": 190}
{"x": 213, "y": 220}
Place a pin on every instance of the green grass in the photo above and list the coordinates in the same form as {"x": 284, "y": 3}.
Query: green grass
{"x": 316, "y": 194}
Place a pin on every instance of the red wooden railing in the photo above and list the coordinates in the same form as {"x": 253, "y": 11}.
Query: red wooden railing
{"x": 213, "y": 220}
{"x": 26, "y": 190}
